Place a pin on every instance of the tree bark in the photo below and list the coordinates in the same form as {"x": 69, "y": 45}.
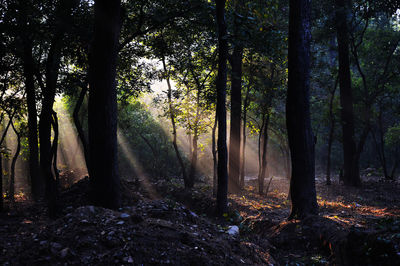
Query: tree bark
{"x": 54, "y": 149}
{"x": 1, "y": 183}
{"x": 350, "y": 165}
{"x": 37, "y": 184}
{"x": 103, "y": 156}
{"x": 263, "y": 165}
{"x": 236, "y": 110}
{"x": 193, "y": 162}
{"x": 53, "y": 62}
{"x": 301, "y": 140}
{"x": 13, "y": 163}
{"x": 214, "y": 154}
{"x": 243, "y": 149}
{"x": 331, "y": 131}
{"x": 222, "y": 193}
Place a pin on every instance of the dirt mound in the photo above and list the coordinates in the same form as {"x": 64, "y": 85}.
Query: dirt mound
{"x": 157, "y": 232}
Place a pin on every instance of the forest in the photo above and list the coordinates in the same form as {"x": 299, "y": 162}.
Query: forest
{"x": 199, "y": 132}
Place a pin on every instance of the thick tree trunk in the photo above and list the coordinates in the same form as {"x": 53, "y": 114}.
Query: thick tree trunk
{"x": 350, "y": 164}
{"x": 49, "y": 91}
{"x": 222, "y": 193}
{"x": 244, "y": 137}
{"x": 37, "y": 184}
{"x": 103, "y": 156}
{"x": 78, "y": 125}
{"x": 236, "y": 110}
{"x": 174, "y": 133}
{"x": 13, "y": 163}
{"x": 34, "y": 169}
{"x": 263, "y": 165}
{"x": 301, "y": 140}
{"x": 52, "y": 67}
{"x": 330, "y": 138}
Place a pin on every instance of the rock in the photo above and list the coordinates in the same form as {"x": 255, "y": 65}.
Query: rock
{"x": 128, "y": 259}
{"x": 233, "y": 230}
{"x": 55, "y": 245}
{"x": 124, "y": 216}
{"x": 64, "y": 252}
{"x": 91, "y": 209}
{"x": 193, "y": 214}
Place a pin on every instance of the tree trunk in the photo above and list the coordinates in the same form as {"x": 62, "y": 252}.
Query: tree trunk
{"x": 54, "y": 150}
{"x": 174, "y": 133}
{"x": 350, "y": 165}
{"x": 52, "y": 70}
{"x": 263, "y": 165}
{"x": 382, "y": 146}
{"x": 301, "y": 140}
{"x": 1, "y": 163}
{"x": 222, "y": 193}
{"x": 78, "y": 125}
{"x": 37, "y": 184}
{"x": 103, "y": 156}
{"x": 244, "y": 137}
{"x": 236, "y": 110}
{"x": 330, "y": 138}
{"x": 214, "y": 154}
{"x": 34, "y": 169}
{"x": 1, "y": 183}
{"x": 13, "y": 163}
{"x": 193, "y": 162}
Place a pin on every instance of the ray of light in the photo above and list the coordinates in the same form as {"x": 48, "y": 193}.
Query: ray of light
{"x": 137, "y": 169}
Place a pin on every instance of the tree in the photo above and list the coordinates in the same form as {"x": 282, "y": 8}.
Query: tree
{"x": 103, "y": 169}
{"x": 222, "y": 191}
{"x": 301, "y": 140}
{"x": 351, "y": 173}
{"x": 236, "y": 59}
{"x": 29, "y": 70}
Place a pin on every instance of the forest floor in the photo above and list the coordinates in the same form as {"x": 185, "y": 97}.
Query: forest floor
{"x": 161, "y": 223}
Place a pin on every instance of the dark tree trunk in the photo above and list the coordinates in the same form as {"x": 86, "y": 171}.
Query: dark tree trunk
{"x": 174, "y": 133}
{"x": 1, "y": 183}
{"x": 243, "y": 149}
{"x": 193, "y": 162}
{"x": 54, "y": 150}
{"x": 236, "y": 110}
{"x": 78, "y": 124}
{"x": 49, "y": 91}
{"x": 37, "y": 184}
{"x": 52, "y": 66}
{"x": 382, "y": 146}
{"x": 34, "y": 169}
{"x": 103, "y": 164}
{"x": 350, "y": 165}
{"x": 301, "y": 140}
{"x": 263, "y": 165}
{"x": 13, "y": 163}
{"x": 222, "y": 193}
{"x": 331, "y": 131}
{"x": 214, "y": 154}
